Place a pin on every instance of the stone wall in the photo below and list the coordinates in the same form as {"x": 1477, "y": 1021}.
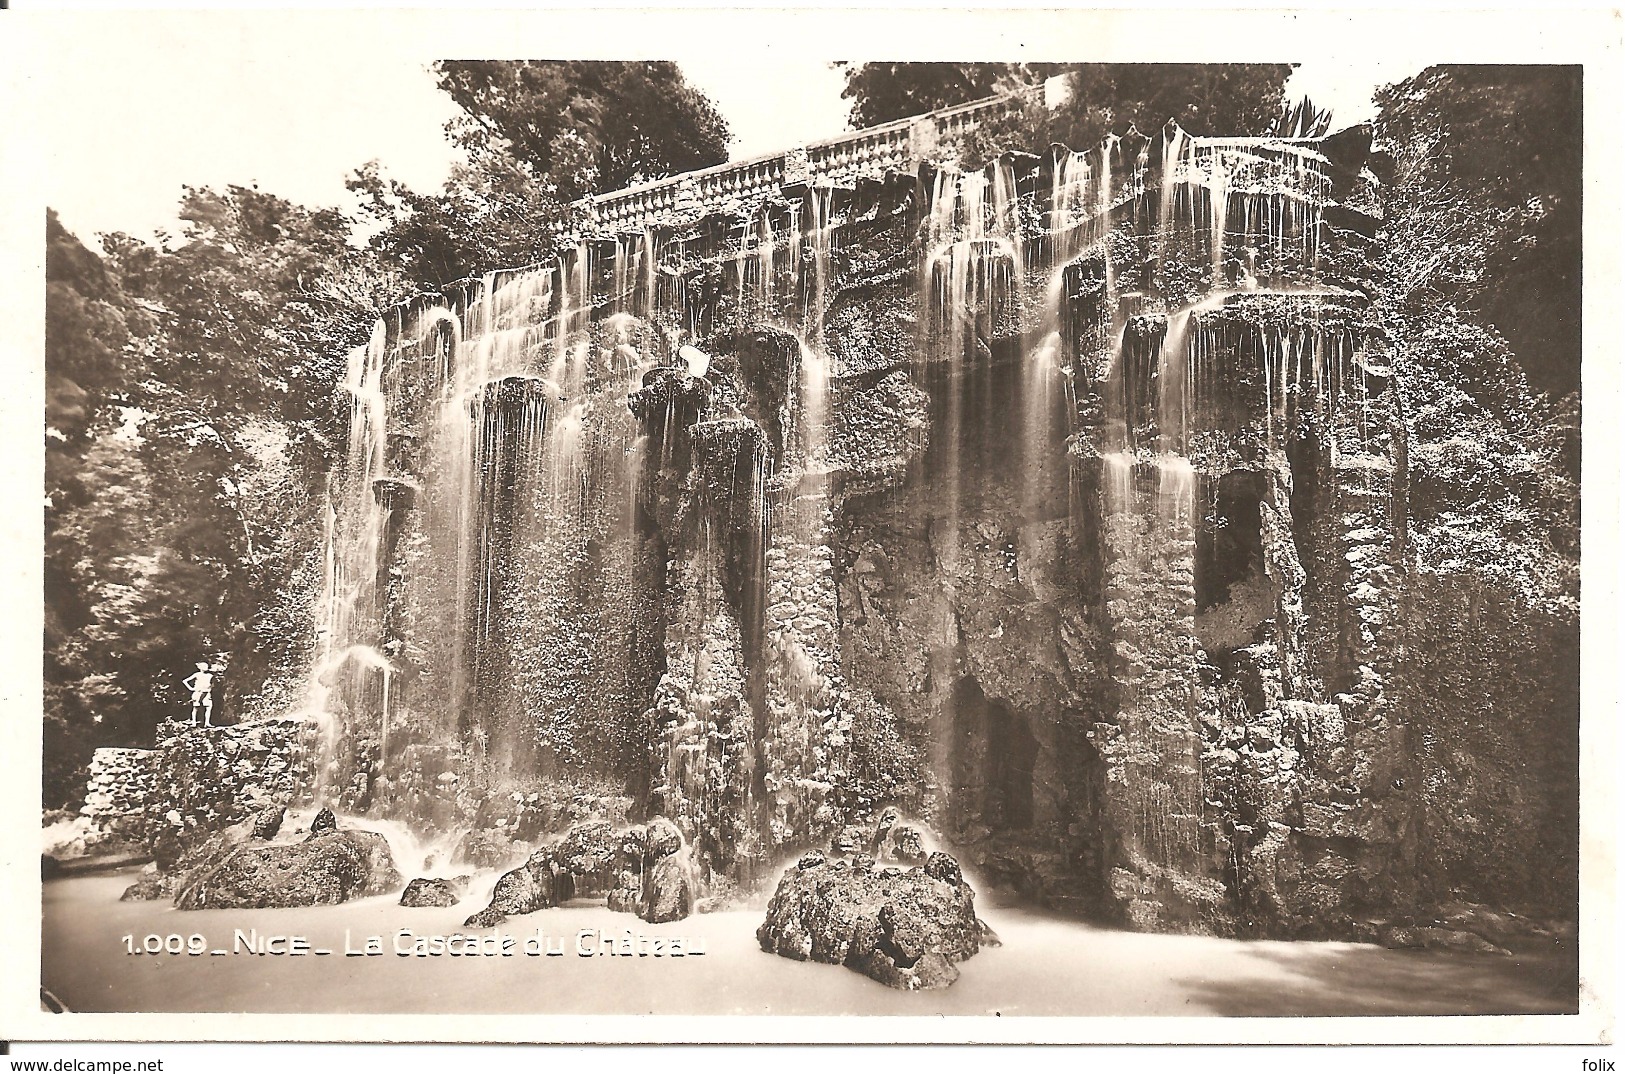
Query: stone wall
{"x": 120, "y": 787}
{"x": 205, "y": 778}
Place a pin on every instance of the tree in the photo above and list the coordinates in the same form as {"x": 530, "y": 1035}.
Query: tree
{"x": 499, "y": 216}
{"x": 1480, "y": 295}
{"x": 91, "y": 338}
{"x": 630, "y": 121}
{"x": 96, "y": 337}
{"x": 537, "y": 137}
{"x": 882, "y": 92}
{"x": 205, "y": 367}
{"x": 1203, "y": 98}
{"x": 1487, "y": 197}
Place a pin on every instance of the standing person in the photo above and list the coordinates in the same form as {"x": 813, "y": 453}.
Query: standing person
{"x": 201, "y": 683}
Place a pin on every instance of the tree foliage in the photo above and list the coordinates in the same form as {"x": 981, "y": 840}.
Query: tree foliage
{"x": 205, "y": 366}
{"x": 1487, "y": 203}
{"x": 1481, "y": 269}
{"x": 882, "y": 92}
{"x": 537, "y": 136}
{"x": 629, "y": 121}
{"x": 95, "y": 347}
{"x": 496, "y": 217}
{"x": 1203, "y": 98}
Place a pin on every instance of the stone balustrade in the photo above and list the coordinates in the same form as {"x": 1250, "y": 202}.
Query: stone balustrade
{"x": 897, "y": 146}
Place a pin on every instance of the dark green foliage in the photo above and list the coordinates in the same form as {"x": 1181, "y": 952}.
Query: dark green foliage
{"x": 497, "y": 215}
{"x": 1108, "y": 98}
{"x": 95, "y": 339}
{"x": 1203, "y": 98}
{"x": 193, "y": 422}
{"x": 882, "y": 92}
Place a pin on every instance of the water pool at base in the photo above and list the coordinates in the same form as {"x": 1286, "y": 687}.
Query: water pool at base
{"x": 1046, "y": 966}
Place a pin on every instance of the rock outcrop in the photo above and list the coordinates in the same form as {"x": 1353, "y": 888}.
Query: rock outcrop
{"x": 434, "y": 891}
{"x": 646, "y": 870}
{"x": 328, "y": 867}
{"x": 906, "y": 928}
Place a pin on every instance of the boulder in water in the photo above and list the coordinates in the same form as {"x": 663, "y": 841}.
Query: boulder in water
{"x": 668, "y": 889}
{"x": 906, "y": 929}
{"x": 524, "y": 890}
{"x": 627, "y": 894}
{"x": 643, "y": 870}
{"x": 589, "y": 851}
{"x": 661, "y": 839}
{"x": 325, "y": 822}
{"x": 268, "y": 821}
{"x": 329, "y": 867}
{"x": 434, "y": 891}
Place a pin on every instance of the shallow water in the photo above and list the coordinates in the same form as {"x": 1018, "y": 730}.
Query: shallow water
{"x": 1047, "y": 966}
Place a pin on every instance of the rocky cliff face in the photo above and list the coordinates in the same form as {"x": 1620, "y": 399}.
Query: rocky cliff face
{"x": 1060, "y": 505}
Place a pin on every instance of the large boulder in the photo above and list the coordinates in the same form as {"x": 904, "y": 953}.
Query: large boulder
{"x": 588, "y": 853}
{"x": 642, "y": 870}
{"x": 668, "y": 889}
{"x": 329, "y": 867}
{"x": 661, "y": 839}
{"x": 434, "y": 891}
{"x": 908, "y": 929}
{"x": 531, "y": 887}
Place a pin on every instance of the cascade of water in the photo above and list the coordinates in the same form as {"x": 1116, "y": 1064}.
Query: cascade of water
{"x": 814, "y": 391}
{"x": 819, "y": 233}
{"x": 765, "y": 265}
{"x": 1175, "y": 174}
{"x": 1173, "y": 389}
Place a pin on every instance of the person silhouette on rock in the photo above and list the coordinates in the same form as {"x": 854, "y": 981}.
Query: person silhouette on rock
{"x": 201, "y": 683}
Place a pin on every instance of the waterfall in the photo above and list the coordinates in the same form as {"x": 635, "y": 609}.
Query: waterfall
{"x": 588, "y": 528}
{"x": 479, "y": 527}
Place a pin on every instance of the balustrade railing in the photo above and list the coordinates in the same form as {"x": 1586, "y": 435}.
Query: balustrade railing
{"x": 897, "y": 146}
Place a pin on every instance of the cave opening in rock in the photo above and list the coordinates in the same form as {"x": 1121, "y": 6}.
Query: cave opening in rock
{"x": 994, "y": 755}
{"x": 1229, "y": 547}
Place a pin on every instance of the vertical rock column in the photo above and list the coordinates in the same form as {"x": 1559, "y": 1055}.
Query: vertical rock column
{"x": 1153, "y": 785}
{"x": 1359, "y": 798}
{"x": 705, "y": 496}
{"x": 805, "y": 744}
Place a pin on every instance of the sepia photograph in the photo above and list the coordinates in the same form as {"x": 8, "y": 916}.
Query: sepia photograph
{"x": 545, "y": 528}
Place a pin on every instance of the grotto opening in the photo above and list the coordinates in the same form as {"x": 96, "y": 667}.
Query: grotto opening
{"x": 1056, "y": 507}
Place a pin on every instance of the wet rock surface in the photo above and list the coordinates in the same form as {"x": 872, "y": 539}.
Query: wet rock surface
{"x": 646, "y": 870}
{"x": 668, "y": 889}
{"x": 434, "y": 891}
{"x": 328, "y": 867}
{"x": 906, "y": 928}
{"x": 531, "y": 887}
{"x": 325, "y": 822}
